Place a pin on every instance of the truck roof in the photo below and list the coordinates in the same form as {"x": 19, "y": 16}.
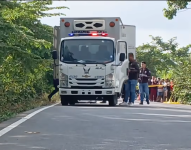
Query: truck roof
{"x": 88, "y": 17}
{"x": 129, "y": 25}
{"x": 87, "y": 37}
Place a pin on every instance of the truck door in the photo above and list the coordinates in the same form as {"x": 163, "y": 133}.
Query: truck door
{"x": 121, "y": 69}
{"x": 56, "y": 43}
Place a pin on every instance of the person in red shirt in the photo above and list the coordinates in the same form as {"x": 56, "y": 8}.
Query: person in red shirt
{"x": 153, "y": 94}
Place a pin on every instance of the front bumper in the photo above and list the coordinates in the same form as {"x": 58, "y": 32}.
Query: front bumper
{"x": 64, "y": 91}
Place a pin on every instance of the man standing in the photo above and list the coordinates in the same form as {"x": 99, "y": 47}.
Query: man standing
{"x": 143, "y": 82}
{"x": 130, "y": 87}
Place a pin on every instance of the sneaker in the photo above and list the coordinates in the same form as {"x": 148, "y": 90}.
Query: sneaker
{"x": 131, "y": 104}
{"x": 123, "y": 104}
{"x": 140, "y": 103}
{"x": 148, "y": 102}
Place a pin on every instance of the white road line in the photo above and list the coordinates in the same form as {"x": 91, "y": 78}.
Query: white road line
{"x": 134, "y": 107}
{"x": 163, "y": 115}
{"x": 144, "y": 120}
{"x": 17, "y": 123}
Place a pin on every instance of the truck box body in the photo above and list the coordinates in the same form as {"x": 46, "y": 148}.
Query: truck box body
{"x": 128, "y": 33}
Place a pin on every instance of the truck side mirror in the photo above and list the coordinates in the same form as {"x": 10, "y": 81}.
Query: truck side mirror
{"x": 54, "y": 54}
{"x": 122, "y": 57}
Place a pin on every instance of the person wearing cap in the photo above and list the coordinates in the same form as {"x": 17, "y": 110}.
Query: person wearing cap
{"x": 144, "y": 74}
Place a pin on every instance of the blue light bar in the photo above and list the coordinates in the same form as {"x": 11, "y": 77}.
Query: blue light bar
{"x": 71, "y": 34}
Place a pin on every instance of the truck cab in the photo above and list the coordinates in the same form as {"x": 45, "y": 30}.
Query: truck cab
{"x": 90, "y": 59}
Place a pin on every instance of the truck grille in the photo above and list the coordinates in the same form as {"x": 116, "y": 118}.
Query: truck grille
{"x": 90, "y": 79}
{"x": 86, "y": 87}
{"x": 86, "y": 83}
{"x": 83, "y": 82}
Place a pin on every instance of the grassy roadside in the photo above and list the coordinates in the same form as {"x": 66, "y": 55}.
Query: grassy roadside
{"x": 19, "y": 107}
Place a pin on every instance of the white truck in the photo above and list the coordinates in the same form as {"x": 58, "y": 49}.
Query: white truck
{"x": 91, "y": 58}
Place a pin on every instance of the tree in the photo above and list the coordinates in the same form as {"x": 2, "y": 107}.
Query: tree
{"x": 182, "y": 80}
{"x": 25, "y": 45}
{"x": 161, "y": 57}
{"x": 174, "y": 6}
{"x": 181, "y": 71}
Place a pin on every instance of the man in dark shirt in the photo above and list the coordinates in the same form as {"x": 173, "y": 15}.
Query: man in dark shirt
{"x": 56, "y": 83}
{"x": 130, "y": 87}
{"x": 143, "y": 82}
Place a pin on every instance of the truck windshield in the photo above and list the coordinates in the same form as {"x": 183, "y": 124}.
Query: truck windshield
{"x": 87, "y": 51}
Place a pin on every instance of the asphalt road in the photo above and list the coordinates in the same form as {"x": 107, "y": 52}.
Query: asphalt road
{"x": 153, "y": 127}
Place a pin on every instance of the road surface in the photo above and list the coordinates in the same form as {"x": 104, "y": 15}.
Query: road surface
{"x": 153, "y": 127}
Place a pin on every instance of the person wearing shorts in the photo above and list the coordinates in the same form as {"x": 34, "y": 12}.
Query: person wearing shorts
{"x": 165, "y": 90}
{"x": 160, "y": 92}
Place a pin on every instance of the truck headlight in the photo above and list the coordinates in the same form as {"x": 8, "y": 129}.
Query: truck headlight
{"x": 109, "y": 80}
{"x": 63, "y": 83}
{"x": 63, "y": 76}
{"x": 63, "y": 80}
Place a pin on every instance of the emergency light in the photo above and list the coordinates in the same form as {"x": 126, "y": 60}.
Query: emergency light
{"x": 87, "y": 34}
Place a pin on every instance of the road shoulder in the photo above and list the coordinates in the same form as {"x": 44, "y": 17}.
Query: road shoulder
{"x": 22, "y": 115}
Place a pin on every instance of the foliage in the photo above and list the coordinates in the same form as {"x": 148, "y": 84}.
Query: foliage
{"x": 182, "y": 80}
{"x": 167, "y": 60}
{"x": 160, "y": 55}
{"x": 25, "y": 45}
{"x": 175, "y": 6}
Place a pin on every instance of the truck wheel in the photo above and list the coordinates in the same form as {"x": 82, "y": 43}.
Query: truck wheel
{"x": 64, "y": 100}
{"x": 113, "y": 100}
{"x": 71, "y": 100}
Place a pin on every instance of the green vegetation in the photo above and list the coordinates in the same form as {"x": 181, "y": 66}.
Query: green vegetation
{"x": 175, "y": 6}
{"x": 25, "y": 60}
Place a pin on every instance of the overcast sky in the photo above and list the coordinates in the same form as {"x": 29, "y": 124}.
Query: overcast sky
{"x": 147, "y": 16}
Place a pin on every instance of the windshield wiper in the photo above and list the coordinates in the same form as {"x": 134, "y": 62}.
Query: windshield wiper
{"x": 102, "y": 64}
{"x": 75, "y": 62}
{"x": 95, "y": 62}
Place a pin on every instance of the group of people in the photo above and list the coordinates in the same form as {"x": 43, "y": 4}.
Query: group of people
{"x": 149, "y": 88}
{"x": 136, "y": 75}
{"x": 161, "y": 89}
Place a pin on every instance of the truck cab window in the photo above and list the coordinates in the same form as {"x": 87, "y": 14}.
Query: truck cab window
{"x": 87, "y": 50}
{"x": 122, "y": 48}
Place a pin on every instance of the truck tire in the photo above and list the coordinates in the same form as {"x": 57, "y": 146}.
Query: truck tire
{"x": 64, "y": 100}
{"x": 113, "y": 100}
{"x": 72, "y": 100}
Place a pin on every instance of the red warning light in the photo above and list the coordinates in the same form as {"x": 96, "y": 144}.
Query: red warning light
{"x": 67, "y": 24}
{"x": 111, "y": 24}
{"x": 94, "y": 34}
{"x": 104, "y": 34}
